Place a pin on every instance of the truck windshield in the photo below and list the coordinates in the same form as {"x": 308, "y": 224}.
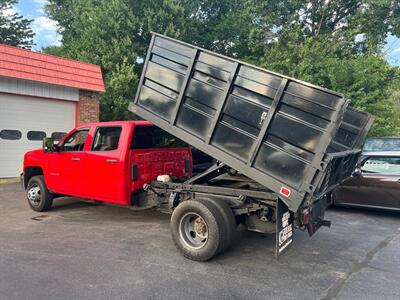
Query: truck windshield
{"x": 145, "y": 137}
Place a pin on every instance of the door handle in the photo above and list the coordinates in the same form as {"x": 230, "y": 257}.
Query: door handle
{"x": 111, "y": 161}
{"x": 75, "y": 159}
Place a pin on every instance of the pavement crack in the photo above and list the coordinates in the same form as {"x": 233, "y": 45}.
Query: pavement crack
{"x": 335, "y": 289}
{"x": 39, "y": 218}
{"x": 383, "y": 270}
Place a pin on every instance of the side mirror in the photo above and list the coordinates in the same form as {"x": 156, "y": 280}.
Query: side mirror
{"x": 357, "y": 172}
{"x": 48, "y": 145}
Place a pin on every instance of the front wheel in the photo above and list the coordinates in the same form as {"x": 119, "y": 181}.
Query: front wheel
{"x": 197, "y": 229}
{"x": 37, "y": 194}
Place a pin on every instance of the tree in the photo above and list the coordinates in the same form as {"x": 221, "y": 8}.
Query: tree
{"x": 14, "y": 29}
{"x": 115, "y": 34}
{"x": 362, "y": 24}
{"x": 101, "y": 32}
{"x": 336, "y": 44}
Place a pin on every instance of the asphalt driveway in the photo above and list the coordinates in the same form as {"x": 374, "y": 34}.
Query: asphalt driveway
{"x": 80, "y": 250}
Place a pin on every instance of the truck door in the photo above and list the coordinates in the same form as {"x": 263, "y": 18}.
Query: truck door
{"x": 64, "y": 167}
{"x": 104, "y": 166}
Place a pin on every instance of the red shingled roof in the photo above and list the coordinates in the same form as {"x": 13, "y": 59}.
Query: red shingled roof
{"x": 36, "y": 66}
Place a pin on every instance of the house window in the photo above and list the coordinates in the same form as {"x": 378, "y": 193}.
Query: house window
{"x": 9, "y": 134}
{"x": 36, "y": 135}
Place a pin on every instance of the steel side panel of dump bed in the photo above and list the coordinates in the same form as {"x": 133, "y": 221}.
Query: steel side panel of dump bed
{"x": 352, "y": 131}
{"x": 274, "y": 129}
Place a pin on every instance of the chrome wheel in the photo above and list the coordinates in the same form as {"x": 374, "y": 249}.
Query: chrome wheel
{"x": 193, "y": 231}
{"x": 33, "y": 195}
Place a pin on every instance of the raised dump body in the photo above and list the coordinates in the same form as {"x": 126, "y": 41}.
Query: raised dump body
{"x": 274, "y": 129}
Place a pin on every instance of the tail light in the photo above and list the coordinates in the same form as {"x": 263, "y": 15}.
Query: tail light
{"x": 284, "y": 191}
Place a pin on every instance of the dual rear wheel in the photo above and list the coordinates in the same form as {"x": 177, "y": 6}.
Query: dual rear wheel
{"x": 202, "y": 228}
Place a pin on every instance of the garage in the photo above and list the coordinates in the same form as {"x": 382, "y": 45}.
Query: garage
{"x": 24, "y": 125}
{"x": 42, "y": 96}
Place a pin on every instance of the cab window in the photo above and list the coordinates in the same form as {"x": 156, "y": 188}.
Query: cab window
{"x": 57, "y": 136}
{"x": 106, "y": 139}
{"x": 146, "y": 137}
{"x": 76, "y": 141}
{"x": 383, "y": 164}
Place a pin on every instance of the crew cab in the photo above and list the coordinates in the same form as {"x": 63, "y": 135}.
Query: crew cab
{"x": 108, "y": 162}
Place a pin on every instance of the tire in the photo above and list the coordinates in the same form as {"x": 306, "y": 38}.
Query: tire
{"x": 38, "y": 196}
{"x": 197, "y": 229}
{"x": 229, "y": 222}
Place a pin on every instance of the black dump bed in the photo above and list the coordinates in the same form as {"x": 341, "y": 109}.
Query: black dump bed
{"x": 352, "y": 131}
{"x": 274, "y": 129}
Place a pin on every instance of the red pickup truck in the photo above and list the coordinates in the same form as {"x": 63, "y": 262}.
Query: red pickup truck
{"x": 279, "y": 146}
{"x": 108, "y": 162}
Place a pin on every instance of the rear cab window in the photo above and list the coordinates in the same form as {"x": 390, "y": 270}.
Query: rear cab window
{"x": 146, "y": 137}
{"x": 106, "y": 138}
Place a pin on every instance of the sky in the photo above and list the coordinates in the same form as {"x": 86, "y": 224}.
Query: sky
{"x": 46, "y": 29}
{"x": 392, "y": 50}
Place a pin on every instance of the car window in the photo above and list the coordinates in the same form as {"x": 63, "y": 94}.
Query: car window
{"x": 385, "y": 165}
{"x": 56, "y": 136}
{"x": 106, "y": 139}
{"x": 76, "y": 141}
{"x": 9, "y": 134}
{"x": 145, "y": 137}
{"x": 382, "y": 144}
{"x": 36, "y": 135}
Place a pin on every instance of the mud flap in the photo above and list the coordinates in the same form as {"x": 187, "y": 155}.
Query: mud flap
{"x": 284, "y": 227}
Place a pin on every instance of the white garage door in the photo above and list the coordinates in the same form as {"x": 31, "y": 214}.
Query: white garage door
{"x": 23, "y": 122}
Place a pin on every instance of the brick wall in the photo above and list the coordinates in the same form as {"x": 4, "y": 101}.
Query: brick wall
{"x": 88, "y": 109}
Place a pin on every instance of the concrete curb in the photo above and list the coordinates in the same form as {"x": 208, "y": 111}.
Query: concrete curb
{"x": 9, "y": 180}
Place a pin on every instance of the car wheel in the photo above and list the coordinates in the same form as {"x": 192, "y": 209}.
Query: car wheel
{"x": 37, "y": 194}
{"x": 229, "y": 222}
{"x": 197, "y": 229}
